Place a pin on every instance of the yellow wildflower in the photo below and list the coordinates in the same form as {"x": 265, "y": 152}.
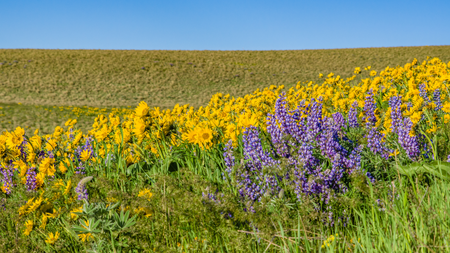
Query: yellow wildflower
{"x": 29, "y": 227}
{"x": 75, "y": 210}
{"x": 85, "y": 154}
{"x": 51, "y": 239}
{"x": 145, "y": 193}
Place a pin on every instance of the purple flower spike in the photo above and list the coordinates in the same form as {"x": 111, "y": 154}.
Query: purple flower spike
{"x": 81, "y": 188}
{"x": 352, "y": 115}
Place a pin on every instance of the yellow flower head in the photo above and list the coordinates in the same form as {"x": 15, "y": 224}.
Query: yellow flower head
{"x": 75, "y": 210}
{"x": 142, "y": 110}
{"x": 145, "y": 193}
{"x": 51, "y": 239}
{"x": 85, "y": 155}
{"x": 28, "y": 227}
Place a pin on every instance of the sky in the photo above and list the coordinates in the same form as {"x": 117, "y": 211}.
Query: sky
{"x": 222, "y": 25}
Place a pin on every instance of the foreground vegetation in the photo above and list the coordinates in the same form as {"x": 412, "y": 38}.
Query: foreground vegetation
{"x": 349, "y": 164}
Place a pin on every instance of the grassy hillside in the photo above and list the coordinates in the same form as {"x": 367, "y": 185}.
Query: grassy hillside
{"x": 120, "y": 78}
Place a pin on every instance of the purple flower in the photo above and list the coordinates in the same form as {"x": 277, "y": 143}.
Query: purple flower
{"x": 81, "y": 188}
{"x": 7, "y": 180}
{"x": 31, "y": 179}
{"x": 352, "y": 115}
{"x": 437, "y": 99}
{"x": 369, "y": 109}
{"x": 375, "y": 143}
{"x": 403, "y": 127}
{"x": 228, "y": 156}
{"x": 423, "y": 94}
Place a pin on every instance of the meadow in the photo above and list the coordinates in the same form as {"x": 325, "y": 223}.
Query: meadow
{"x": 351, "y": 161}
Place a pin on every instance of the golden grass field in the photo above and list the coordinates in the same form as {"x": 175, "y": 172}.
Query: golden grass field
{"x": 42, "y": 81}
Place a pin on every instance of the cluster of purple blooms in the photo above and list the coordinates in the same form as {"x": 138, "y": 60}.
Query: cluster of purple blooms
{"x": 423, "y": 94}
{"x": 437, "y": 99}
{"x": 7, "y": 180}
{"x": 402, "y": 127}
{"x": 374, "y": 137}
{"x": 81, "y": 188}
{"x": 31, "y": 179}
{"x": 316, "y": 148}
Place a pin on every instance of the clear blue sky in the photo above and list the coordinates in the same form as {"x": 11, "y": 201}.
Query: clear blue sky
{"x": 222, "y": 25}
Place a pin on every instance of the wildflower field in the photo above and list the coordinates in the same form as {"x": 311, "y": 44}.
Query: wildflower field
{"x": 339, "y": 164}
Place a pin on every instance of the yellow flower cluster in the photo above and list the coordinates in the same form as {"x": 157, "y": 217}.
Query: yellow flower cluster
{"x": 329, "y": 241}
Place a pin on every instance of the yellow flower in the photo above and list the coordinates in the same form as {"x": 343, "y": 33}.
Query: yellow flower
{"x": 415, "y": 118}
{"x": 14, "y": 139}
{"x": 62, "y": 167}
{"x": 320, "y": 75}
{"x": 145, "y": 193}
{"x": 68, "y": 187}
{"x": 51, "y": 144}
{"x": 433, "y": 129}
{"x": 51, "y": 239}
{"x": 446, "y": 118}
{"x": 40, "y": 179}
{"x": 357, "y": 70}
{"x": 204, "y": 137}
{"x": 85, "y": 154}
{"x": 394, "y": 153}
{"x": 44, "y": 220}
{"x": 75, "y": 210}
{"x": 142, "y": 110}
{"x": 29, "y": 227}
{"x": 85, "y": 237}
{"x": 367, "y": 68}
{"x": 373, "y": 73}
{"x": 144, "y": 210}
{"x": 47, "y": 166}
{"x": 35, "y": 205}
{"x": 23, "y": 209}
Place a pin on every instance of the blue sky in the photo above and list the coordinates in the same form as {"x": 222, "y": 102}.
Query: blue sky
{"x": 222, "y": 25}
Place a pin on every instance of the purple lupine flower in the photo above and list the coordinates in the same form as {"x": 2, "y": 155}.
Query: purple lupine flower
{"x": 277, "y": 136}
{"x": 289, "y": 126}
{"x": 408, "y": 143}
{"x": 314, "y": 121}
{"x": 252, "y": 182}
{"x": 80, "y": 169}
{"x": 228, "y": 157}
{"x": 369, "y": 109}
{"x": 403, "y": 127}
{"x": 437, "y": 99}
{"x": 339, "y": 121}
{"x": 375, "y": 143}
{"x": 81, "y": 188}
{"x": 214, "y": 197}
{"x": 396, "y": 112}
{"x": 31, "y": 179}
{"x": 352, "y": 115}
{"x": 23, "y": 153}
{"x": 8, "y": 175}
{"x": 409, "y": 105}
{"x": 353, "y": 162}
{"x": 423, "y": 94}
